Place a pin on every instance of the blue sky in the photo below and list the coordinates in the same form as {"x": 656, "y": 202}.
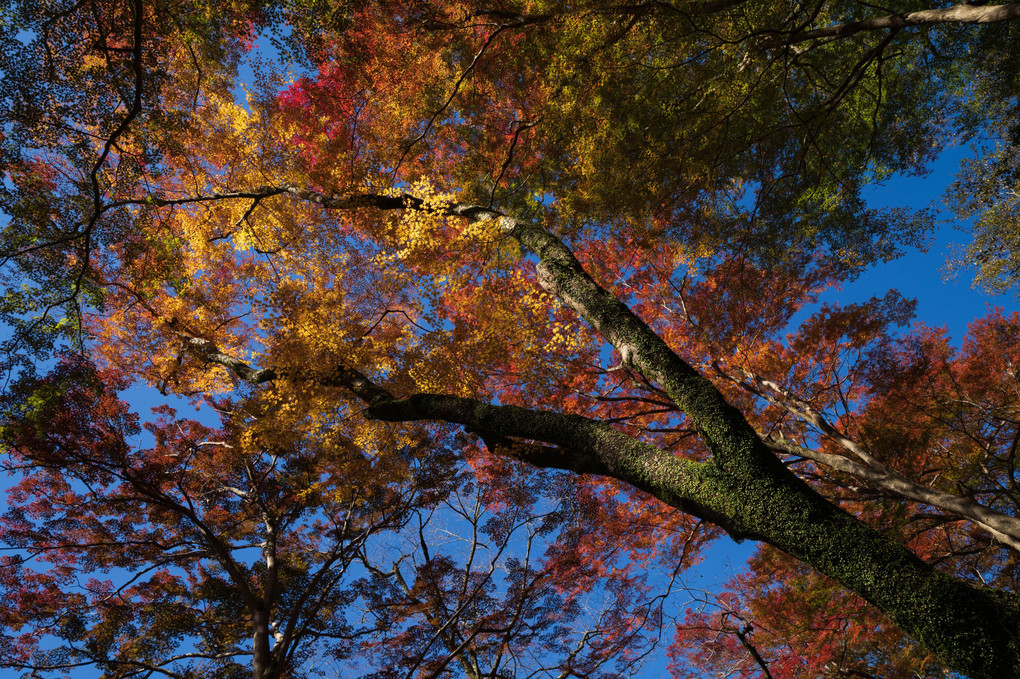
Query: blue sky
{"x": 942, "y": 299}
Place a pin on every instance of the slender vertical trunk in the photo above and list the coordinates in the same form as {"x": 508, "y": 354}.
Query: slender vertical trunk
{"x": 262, "y": 665}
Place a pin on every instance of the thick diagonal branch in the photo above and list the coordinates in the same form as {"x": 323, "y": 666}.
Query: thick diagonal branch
{"x": 580, "y": 445}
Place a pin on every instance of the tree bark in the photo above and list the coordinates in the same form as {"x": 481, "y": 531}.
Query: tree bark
{"x": 743, "y": 487}
{"x": 262, "y": 655}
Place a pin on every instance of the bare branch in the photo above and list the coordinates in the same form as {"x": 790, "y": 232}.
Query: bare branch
{"x": 963, "y": 14}
{"x": 1004, "y": 528}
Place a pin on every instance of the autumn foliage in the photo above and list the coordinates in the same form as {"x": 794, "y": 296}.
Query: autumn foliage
{"x": 493, "y": 318}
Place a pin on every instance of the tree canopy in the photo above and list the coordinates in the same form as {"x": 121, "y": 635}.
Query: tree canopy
{"x": 496, "y": 314}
